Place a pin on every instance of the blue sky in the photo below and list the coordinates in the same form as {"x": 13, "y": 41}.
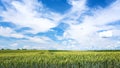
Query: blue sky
{"x": 60, "y": 24}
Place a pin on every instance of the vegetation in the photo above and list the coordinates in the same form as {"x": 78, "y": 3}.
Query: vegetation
{"x": 59, "y": 59}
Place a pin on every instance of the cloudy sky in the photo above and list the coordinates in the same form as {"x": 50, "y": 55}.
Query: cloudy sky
{"x": 60, "y": 24}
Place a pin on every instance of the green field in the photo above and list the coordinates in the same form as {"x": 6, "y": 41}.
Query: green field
{"x": 59, "y": 59}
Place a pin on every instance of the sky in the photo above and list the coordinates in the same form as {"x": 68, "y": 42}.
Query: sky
{"x": 60, "y": 24}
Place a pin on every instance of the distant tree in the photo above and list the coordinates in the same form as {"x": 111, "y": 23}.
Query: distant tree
{"x": 8, "y": 49}
{"x": 33, "y": 49}
{"x": 18, "y": 49}
{"x": 2, "y": 49}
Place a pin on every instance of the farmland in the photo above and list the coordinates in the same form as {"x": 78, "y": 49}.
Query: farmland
{"x": 59, "y": 59}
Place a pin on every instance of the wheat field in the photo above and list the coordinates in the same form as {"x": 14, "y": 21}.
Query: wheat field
{"x": 59, "y": 59}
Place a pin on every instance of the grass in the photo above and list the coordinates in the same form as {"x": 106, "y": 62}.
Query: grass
{"x": 59, "y": 59}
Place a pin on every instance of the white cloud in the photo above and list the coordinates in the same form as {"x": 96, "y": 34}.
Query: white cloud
{"x": 86, "y": 33}
{"x": 106, "y": 34}
{"x": 8, "y": 32}
{"x": 78, "y": 7}
{"x": 14, "y": 45}
{"x": 29, "y": 14}
{"x": 113, "y": 33}
{"x": 40, "y": 43}
{"x": 39, "y": 39}
{"x": 116, "y": 32}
